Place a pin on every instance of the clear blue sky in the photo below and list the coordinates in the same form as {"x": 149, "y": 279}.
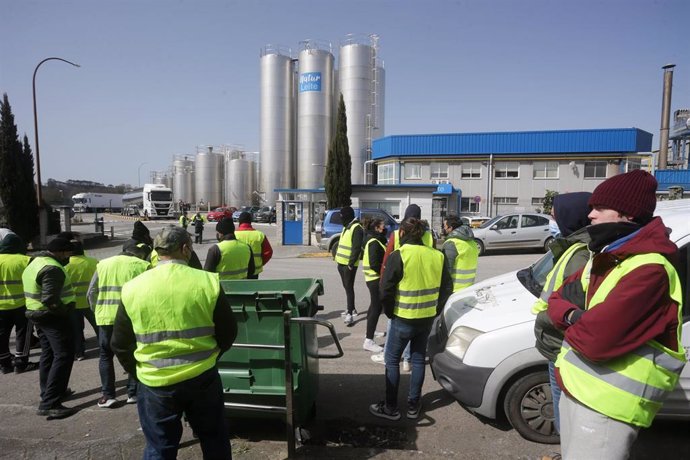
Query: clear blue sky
{"x": 160, "y": 77}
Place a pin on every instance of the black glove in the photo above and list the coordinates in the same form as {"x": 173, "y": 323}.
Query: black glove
{"x": 573, "y": 293}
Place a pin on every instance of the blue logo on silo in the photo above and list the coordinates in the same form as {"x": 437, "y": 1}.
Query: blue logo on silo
{"x": 310, "y": 81}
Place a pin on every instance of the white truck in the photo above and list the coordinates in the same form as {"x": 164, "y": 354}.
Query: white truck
{"x": 90, "y": 202}
{"x": 482, "y": 352}
{"x": 154, "y": 201}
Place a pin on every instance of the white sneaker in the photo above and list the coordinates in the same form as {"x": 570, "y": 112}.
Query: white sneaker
{"x": 406, "y": 366}
{"x": 106, "y": 403}
{"x": 379, "y": 358}
{"x": 370, "y": 345}
{"x": 132, "y": 399}
{"x": 379, "y": 334}
{"x": 347, "y": 319}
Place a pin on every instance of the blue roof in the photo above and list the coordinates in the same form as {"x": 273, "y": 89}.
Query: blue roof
{"x": 670, "y": 177}
{"x": 519, "y": 143}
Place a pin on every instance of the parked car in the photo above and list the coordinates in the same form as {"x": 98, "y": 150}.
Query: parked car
{"x": 481, "y": 347}
{"x": 249, "y": 209}
{"x": 218, "y": 214}
{"x": 510, "y": 231}
{"x": 328, "y": 231}
{"x": 264, "y": 214}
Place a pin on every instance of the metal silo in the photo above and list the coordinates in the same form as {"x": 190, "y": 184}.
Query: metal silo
{"x": 361, "y": 80}
{"x": 240, "y": 182}
{"x": 183, "y": 178}
{"x": 277, "y": 121}
{"x": 208, "y": 178}
{"x": 314, "y": 112}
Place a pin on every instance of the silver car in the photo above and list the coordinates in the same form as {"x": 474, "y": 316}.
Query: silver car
{"x": 518, "y": 230}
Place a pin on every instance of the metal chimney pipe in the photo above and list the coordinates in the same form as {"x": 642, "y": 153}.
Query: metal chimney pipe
{"x": 665, "y": 115}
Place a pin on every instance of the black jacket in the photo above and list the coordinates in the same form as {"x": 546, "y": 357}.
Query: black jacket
{"x": 393, "y": 274}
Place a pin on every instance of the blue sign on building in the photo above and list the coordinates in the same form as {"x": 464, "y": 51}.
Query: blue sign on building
{"x": 310, "y": 81}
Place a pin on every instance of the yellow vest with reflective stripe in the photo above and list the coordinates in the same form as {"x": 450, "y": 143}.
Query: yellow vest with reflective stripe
{"x": 369, "y": 273}
{"x": 554, "y": 280}
{"x": 342, "y": 255}
{"x": 427, "y": 239}
{"x": 113, "y": 273}
{"x": 11, "y": 290}
{"x": 630, "y": 388}
{"x": 417, "y": 295}
{"x": 465, "y": 268}
{"x": 81, "y": 270}
{"x": 255, "y": 240}
{"x": 234, "y": 260}
{"x": 171, "y": 309}
{"x": 32, "y": 291}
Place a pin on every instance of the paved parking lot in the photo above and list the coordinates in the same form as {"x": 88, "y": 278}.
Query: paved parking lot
{"x": 343, "y": 428}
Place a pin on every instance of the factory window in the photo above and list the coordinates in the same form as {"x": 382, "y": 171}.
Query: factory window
{"x": 387, "y": 173}
{"x": 634, "y": 163}
{"x": 505, "y": 200}
{"x": 545, "y": 170}
{"x": 595, "y": 169}
{"x": 538, "y": 201}
{"x": 471, "y": 171}
{"x": 507, "y": 170}
{"x": 439, "y": 170}
{"x": 468, "y": 205}
{"x": 412, "y": 170}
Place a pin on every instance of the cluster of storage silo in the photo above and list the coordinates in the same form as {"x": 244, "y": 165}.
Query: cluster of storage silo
{"x": 299, "y": 104}
{"x": 215, "y": 176}
{"x": 162, "y": 177}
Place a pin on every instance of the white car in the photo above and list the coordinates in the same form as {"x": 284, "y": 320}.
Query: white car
{"x": 517, "y": 230}
{"x": 482, "y": 350}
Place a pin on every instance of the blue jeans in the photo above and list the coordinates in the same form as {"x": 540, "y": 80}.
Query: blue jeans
{"x": 416, "y": 333}
{"x": 201, "y": 400}
{"x": 556, "y": 395}
{"x": 78, "y": 316}
{"x": 406, "y": 352}
{"x": 106, "y": 366}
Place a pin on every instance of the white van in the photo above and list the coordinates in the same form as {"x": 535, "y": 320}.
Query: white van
{"x": 481, "y": 348}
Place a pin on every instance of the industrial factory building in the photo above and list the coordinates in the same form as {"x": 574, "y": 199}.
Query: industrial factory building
{"x": 299, "y": 102}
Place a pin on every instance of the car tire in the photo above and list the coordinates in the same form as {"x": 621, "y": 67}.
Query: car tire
{"x": 480, "y": 247}
{"x": 528, "y": 405}
{"x": 547, "y": 244}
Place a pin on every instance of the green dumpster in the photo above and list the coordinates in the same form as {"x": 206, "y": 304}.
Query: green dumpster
{"x": 253, "y": 371}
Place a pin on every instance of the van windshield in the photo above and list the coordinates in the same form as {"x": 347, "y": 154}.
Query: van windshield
{"x": 490, "y": 222}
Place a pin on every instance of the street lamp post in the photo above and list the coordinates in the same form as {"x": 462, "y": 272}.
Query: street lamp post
{"x": 42, "y": 216}
{"x": 139, "y": 174}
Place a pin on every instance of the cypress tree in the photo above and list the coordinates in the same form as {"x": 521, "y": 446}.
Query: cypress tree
{"x": 338, "y": 180}
{"x": 16, "y": 177}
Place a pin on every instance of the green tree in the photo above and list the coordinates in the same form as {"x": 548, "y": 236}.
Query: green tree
{"x": 16, "y": 177}
{"x": 338, "y": 180}
{"x": 548, "y": 201}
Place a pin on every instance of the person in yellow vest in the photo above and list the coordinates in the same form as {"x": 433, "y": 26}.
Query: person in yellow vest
{"x": 184, "y": 220}
{"x": 412, "y": 211}
{"x": 261, "y": 247}
{"x": 104, "y": 297}
{"x": 414, "y": 288}
{"x": 231, "y": 258}
{"x": 13, "y": 261}
{"x": 569, "y": 250}
{"x": 49, "y": 305}
{"x": 461, "y": 252}
{"x": 622, "y": 316}
{"x": 171, "y": 326}
{"x": 374, "y": 248}
{"x": 198, "y": 223}
{"x": 347, "y": 257}
{"x": 80, "y": 270}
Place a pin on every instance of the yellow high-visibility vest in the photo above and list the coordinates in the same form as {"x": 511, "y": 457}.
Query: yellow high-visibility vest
{"x": 342, "y": 255}
{"x": 113, "y": 273}
{"x": 11, "y": 289}
{"x": 255, "y": 240}
{"x": 418, "y": 291}
{"x": 81, "y": 270}
{"x": 32, "y": 291}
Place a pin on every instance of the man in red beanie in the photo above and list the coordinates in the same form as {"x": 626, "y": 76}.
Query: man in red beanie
{"x": 621, "y": 314}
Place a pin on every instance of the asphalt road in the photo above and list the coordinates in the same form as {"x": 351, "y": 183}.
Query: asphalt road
{"x": 342, "y": 428}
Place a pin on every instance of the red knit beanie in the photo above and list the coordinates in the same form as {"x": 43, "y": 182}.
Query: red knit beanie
{"x": 631, "y": 194}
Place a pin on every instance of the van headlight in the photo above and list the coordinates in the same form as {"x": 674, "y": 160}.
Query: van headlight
{"x": 459, "y": 340}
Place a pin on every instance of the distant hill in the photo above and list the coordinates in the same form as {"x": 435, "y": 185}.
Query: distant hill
{"x": 57, "y": 192}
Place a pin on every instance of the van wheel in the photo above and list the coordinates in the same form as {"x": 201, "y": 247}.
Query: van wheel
{"x": 529, "y": 407}
{"x": 547, "y": 244}
{"x": 480, "y": 247}
{"x": 334, "y": 248}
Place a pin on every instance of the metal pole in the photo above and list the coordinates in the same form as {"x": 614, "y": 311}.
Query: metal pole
{"x": 289, "y": 394}
{"x": 38, "y": 157}
{"x": 665, "y": 115}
